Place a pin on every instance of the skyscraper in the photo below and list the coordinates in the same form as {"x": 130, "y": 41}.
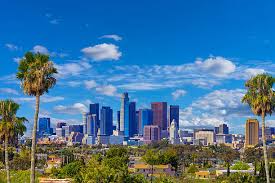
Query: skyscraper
{"x": 174, "y": 114}
{"x": 106, "y": 121}
{"x": 44, "y": 126}
{"x": 118, "y": 121}
{"x": 92, "y": 126}
{"x": 174, "y": 134}
{"x": 60, "y": 124}
{"x": 151, "y": 133}
{"x": 160, "y": 114}
{"x": 223, "y": 129}
{"x": 132, "y": 119}
{"x": 94, "y": 109}
{"x": 145, "y": 118}
{"x": 124, "y": 114}
{"x": 251, "y": 132}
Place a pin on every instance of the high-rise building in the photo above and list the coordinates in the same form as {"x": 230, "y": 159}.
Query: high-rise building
{"x": 145, "y": 118}
{"x": 160, "y": 114}
{"x": 223, "y": 129}
{"x": 204, "y": 136}
{"x": 60, "y": 132}
{"x": 84, "y": 122}
{"x": 118, "y": 121}
{"x": 94, "y": 110}
{"x": 216, "y": 130}
{"x": 106, "y": 121}
{"x": 124, "y": 114}
{"x": 137, "y": 122}
{"x": 44, "y": 126}
{"x": 76, "y": 128}
{"x": 268, "y": 133}
{"x": 92, "y": 126}
{"x": 60, "y": 124}
{"x": 174, "y": 114}
{"x": 251, "y": 132}
{"x": 174, "y": 134}
{"x": 132, "y": 119}
{"x": 151, "y": 133}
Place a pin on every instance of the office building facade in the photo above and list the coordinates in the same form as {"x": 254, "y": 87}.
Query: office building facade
{"x": 160, "y": 114}
{"x": 174, "y": 114}
{"x": 145, "y": 118}
{"x": 251, "y": 132}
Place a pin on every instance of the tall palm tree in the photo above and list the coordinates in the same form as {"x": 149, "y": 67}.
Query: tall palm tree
{"x": 36, "y": 73}
{"x": 261, "y": 98}
{"x": 10, "y": 125}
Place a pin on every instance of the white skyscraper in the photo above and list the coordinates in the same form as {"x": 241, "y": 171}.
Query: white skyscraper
{"x": 174, "y": 135}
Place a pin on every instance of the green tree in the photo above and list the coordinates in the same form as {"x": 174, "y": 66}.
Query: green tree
{"x": 261, "y": 99}
{"x": 240, "y": 166}
{"x": 151, "y": 158}
{"x": 10, "y": 124}
{"x": 36, "y": 73}
{"x": 227, "y": 154}
{"x": 253, "y": 155}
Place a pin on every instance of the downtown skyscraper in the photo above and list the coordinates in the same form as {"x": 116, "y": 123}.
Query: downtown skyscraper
{"x": 106, "y": 121}
{"x": 145, "y": 118}
{"x": 159, "y": 114}
{"x": 124, "y": 115}
{"x": 132, "y": 119}
{"x": 174, "y": 114}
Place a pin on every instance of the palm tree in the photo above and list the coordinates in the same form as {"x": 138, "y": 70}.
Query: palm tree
{"x": 261, "y": 99}
{"x": 36, "y": 74}
{"x": 9, "y": 126}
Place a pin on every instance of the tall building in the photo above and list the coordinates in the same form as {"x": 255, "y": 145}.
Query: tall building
{"x": 132, "y": 119}
{"x": 145, "y": 118}
{"x": 204, "y": 136}
{"x": 106, "y": 121}
{"x": 223, "y": 129}
{"x": 160, "y": 114}
{"x": 251, "y": 132}
{"x": 216, "y": 130}
{"x": 44, "y": 127}
{"x": 124, "y": 114}
{"x": 174, "y": 114}
{"x": 151, "y": 133}
{"x": 137, "y": 122}
{"x": 118, "y": 121}
{"x": 92, "y": 126}
{"x": 76, "y": 128}
{"x": 84, "y": 122}
{"x": 60, "y": 124}
{"x": 94, "y": 110}
{"x": 174, "y": 133}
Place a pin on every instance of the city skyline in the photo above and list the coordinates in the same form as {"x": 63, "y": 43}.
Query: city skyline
{"x": 177, "y": 57}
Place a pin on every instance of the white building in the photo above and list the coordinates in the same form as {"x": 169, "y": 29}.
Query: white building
{"x": 174, "y": 135}
{"x": 204, "y": 135}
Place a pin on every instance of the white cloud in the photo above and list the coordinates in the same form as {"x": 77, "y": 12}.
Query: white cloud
{"x": 12, "y": 47}
{"x": 17, "y": 59}
{"x": 216, "y": 66}
{"x": 76, "y": 108}
{"x": 112, "y": 36}
{"x": 178, "y": 93}
{"x": 40, "y": 49}
{"x": 72, "y": 69}
{"x": 44, "y": 99}
{"x": 142, "y": 86}
{"x": 55, "y": 21}
{"x": 108, "y": 90}
{"x": 216, "y": 107}
{"x": 89, "y": 84}
{"x": 102, "y": 52}
{"x": 250, "y": 72}
{"x": 8, "y": 91}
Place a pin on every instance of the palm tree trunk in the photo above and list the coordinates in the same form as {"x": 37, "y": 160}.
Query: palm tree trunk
{"x": 7, "y": 159}
{"x": 34, "y": 131}
{"x": 265, "y": 149}
{"x": 228, "y": 169}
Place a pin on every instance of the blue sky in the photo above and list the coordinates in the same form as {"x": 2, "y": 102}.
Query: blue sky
{"x": 196, "y": 54}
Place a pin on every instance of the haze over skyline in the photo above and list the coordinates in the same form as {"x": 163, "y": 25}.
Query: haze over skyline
{"x": 193, "y": 54}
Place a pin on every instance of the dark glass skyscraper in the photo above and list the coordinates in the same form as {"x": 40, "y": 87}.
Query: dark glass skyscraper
{"x": 118, "y": 121}
{"x": 160, "y": 114}
{"x": 44, "y": 126}
{"x": 106, "y": 121}
{"x": 145, "y": 118}
{"x": 174, "y": 114}
{"x": 132, "y": 119}
{"x": 94, "y": 109}
{"x": 124, "y": 115}
{"x": 223, "y": 129}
